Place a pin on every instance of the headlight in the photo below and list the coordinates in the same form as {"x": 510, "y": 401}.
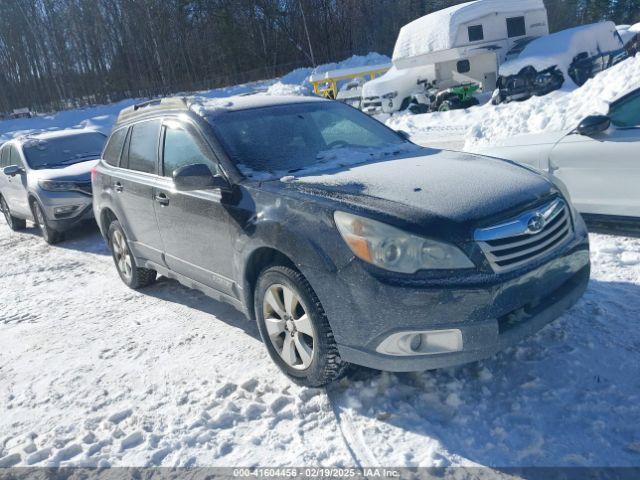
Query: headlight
{"x": 390, "y": 95}
{"x": 392, "y": 249}
{"x": 54, "y": 186}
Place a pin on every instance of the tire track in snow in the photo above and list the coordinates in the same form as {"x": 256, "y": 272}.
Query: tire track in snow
{"x": 357, "y": 447}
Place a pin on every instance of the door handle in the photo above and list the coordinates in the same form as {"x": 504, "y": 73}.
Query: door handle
{"x": 118, "y": 187}
{"x": 162, "y": 199}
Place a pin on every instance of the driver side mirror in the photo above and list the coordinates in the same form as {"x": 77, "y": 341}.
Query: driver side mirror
{"x": 13, "y": 170}
{"x": 593, "y": 124}
{"x": 198, "y": 177}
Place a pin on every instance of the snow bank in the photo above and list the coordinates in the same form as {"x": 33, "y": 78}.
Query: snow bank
{"x": 301, "y": 75}
{"x": 438, "y": 30}
{"x": 559, "y": 49}
{"x": 491, "y": 125}
{"x": 558, "y": 111}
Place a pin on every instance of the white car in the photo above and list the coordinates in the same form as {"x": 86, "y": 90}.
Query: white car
{"x": 599, "y": 162}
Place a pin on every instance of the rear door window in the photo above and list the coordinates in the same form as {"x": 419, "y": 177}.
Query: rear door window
{"x": 113, "y": 150}
{"x": 143, "y": 147}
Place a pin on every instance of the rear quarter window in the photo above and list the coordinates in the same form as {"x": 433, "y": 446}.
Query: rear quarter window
{"x": 113, "y": 150}
{"x": 143, "y": 147}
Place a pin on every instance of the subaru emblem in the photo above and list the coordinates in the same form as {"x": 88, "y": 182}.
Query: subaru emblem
{"x": 536, "y": 223}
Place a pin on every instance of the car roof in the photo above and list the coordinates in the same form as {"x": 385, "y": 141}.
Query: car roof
{"x": 203, "y": 106}
{"x": 247, "y": 102}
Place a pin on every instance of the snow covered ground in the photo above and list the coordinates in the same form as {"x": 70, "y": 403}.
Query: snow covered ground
{"x": 92, "y": 373}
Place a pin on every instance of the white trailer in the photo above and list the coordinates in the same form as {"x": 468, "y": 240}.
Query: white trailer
{"x": 457, "y": 45}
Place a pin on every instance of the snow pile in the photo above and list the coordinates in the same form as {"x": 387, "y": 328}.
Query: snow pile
{"x": 297, "y": 81}
{"x": 433, "y": 127}
{"x": 561, "y": 110}
{"x": 280, "y": 88}
{"x": 439, "y": 30}
{"x": 300, "y": 75}
{"x": 559, "y": 49}
{"x": 558, "y": 111}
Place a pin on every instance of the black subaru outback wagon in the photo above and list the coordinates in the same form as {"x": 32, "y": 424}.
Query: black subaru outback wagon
{"x": 343, "y": 240}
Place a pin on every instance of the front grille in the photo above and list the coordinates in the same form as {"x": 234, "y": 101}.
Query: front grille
{"x": 526, "y": 238}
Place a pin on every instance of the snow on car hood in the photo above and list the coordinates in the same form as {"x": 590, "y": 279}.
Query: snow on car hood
{"x": 454, "y": 186}
{"x": 560, "y": 48}
{"x": 78, "y": 171}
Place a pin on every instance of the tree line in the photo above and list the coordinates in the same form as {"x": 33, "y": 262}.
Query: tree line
{"x": 58, "y": 54}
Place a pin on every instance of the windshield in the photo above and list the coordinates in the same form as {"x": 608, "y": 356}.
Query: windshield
{"x": 285, "y": 139}
{"x": 63, "y": 151}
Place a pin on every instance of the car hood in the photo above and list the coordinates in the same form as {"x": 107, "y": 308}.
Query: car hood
{"x": 439, "y": 189}
{"x": 79, "y": 172}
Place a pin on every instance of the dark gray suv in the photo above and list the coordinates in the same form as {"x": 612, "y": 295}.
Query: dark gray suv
{"x": 343, "y": 240}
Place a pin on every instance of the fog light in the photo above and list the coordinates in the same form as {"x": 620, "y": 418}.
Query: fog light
{"x": 65, "y": 211}
{"x": 429, "y": 342}
{"x": 416, "y": 342}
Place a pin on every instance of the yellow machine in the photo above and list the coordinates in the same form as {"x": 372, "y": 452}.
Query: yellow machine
{"x": 326, "y": 84}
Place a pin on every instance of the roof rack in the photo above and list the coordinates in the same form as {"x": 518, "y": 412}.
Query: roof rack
{"x": 149, "y": 106}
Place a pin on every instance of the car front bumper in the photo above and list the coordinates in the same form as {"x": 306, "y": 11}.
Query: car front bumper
{"x": 52, "y": 202}
{"x": 490, "y": 311}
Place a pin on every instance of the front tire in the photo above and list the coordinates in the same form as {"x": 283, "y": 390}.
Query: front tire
{"x": 16, "y": 224}
{"x": 49, "y": 235}
{"x": 295, "y": 329}
{"x": 133, "y": 276}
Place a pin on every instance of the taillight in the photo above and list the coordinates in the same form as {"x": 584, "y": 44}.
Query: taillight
{"x": 94, "y": 174}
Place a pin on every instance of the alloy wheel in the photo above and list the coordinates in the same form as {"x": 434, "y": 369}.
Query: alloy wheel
{"x": 121, "y": 254}
{"x": 289, "y": 326}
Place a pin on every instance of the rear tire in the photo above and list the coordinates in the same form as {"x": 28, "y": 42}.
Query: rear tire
{"x": 295, "y": 329}
{"x": 49, "y": 235}
{"x": 133, "y": 276}
{"x": 16, "y": 224}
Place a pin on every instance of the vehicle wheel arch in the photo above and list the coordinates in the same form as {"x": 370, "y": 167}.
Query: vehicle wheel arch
{"x": 32, "y": 199}
{"x": 257, "y": 261}
{"x": 107, "y": 217}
